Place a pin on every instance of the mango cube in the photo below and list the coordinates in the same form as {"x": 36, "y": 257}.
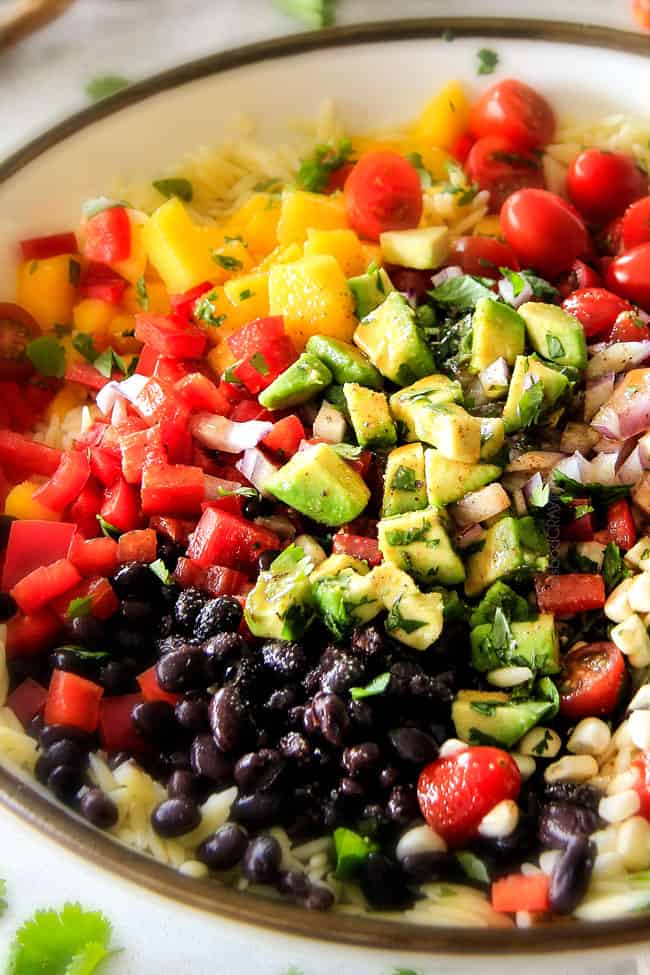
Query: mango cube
{"x": 46, "y": 290}
{"x": 302, "y": 210}
{"x": 313, "y": 296}
{"x": 445, "y": 118}
{"x": 344, "y": 245}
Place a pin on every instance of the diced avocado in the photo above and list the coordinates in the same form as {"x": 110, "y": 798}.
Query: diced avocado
{"x": 491, "y": 718}
{"x": 393, "y": 341}
{"x": 370, "y": 290}
{"x": 512, "y": 548}
{"x": 334, "y": 395}
{"x": 344, "y": 594}
{"x": 417, "y": 543}
{"x": 280, "y": 605}
{"x": 554, "y": 334}
{"x": 414, "y": 618}
{"x": 300, "y": 382}
{"x": 493, "y": 435}
{"x": 320, "y": 484}
{"x": 497, "y": 332}
{"x": 450, "y": 480}
{"x": 344, "y": 361}
{"x": 370, "y": 417}
{"x": 500, "y": 596}
{"x": 531, "y": 644}
{"x": 554, "y": 385}
{"x": 404, "y": 481}
{"x": 451, "y": 429}
{"x": 423, "y": 248}
{"x": 413, "y": 401}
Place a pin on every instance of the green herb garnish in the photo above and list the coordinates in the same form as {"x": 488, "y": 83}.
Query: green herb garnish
{"x": 487, "y": 60}
{"x": 141, "y": 293}
{"x": 376, "y": 686}
{"x": 47, "y": 356}
{"x": 105, "y": 85}
{"x": 315, "y": 171}
{"x": 175, "y": 186}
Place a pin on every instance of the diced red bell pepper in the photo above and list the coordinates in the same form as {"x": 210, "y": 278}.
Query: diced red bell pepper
{"x": 151, "y": 689}
{"x": 362, "y": 463}
{"x": 138, "y": 546}
{"x": 258, "y": 370}
{"x": 44, "y": 584}
{"x": 224, "y": 539}
{"x": 620, "y": 524}
{"x": 41, "y": 248}
{"x": 153, "y": 397}
{"x": 103, "y": 603}
{"x": 21, "y": 454}
{"x": 176, "y": 530}
{"x": 250, "y": 409}
{"x": 233, "y": 503}
{"x": 170, "y": 336}
{"x": 29, "y": 635}
{"x": 93, "y": 435}
{"x": 521, "y": 892}
{"x": 285, "y": 437}
{"x": 200, "y": 393}
{"x": 115, "y": 433}
{"x": 235, "y": 392}
{"x": 183, "y": 304}
{"x": 86, "y": 374}
{"x": 105, "y": 466}
{"x": 117, "y": 731}
{"x": 170, "y": 370}
{"x": 189, "y": 574}
{"x": 66, "y": 483}
{"x": 94, "y": 556}
{"x": 32, "y": 544}
{"x": 107, "y": 236}
{"x": 248, "y": 339}
{"x": 85, "y": 509}
{"x": 358, "y": 547}
{"x": 570, "y": 594}
{"x": 121, "y": 507}
{"x": 175, "y": 490}
{"x": 218, "y": 580}
{"x": 101, "y": 282}
{"x": 580, "y": 529}
{"x": 73, "y": 700}
{"x": 147, "y": 361}
{"x": 27, "y": 700}
{"x": 175, "y": 433}
{"x": 136, "y": 448}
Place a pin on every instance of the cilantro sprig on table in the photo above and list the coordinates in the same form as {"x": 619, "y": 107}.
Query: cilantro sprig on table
{"x": 67, "y": 942}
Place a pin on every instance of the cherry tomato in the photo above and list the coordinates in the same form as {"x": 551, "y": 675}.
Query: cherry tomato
{"x": 17, "y": 329}
{"x": 609, "y": 239}
{"x": 602, "y": 183}
{"x": 579, "y": 276}
{"x": 635, "y": 224}
{"x": 591, "y": 681}
{"x": 629, "y": 275}
{"x": 482, "y": 256}
{"x": 382, "y": 193}
{"x": 516, "y": 111}
{"x": 595, "y": 308}
{"x": 461, "y": 147}
{"x": 628, "y": 327}
{"x": 456, "y": 792}
{"x": 544, "y": 231}
{"x": 501, "y": 166}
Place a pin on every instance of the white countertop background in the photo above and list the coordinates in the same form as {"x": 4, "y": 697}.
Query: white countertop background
{"x": 41, "y": 81}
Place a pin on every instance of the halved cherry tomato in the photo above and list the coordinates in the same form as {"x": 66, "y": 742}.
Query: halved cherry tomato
{"x": 620, "y": 524}
{"x": 595, "y": 308}
{"x": 629, "y": 275}
{"x": 482, "y": 256}
{"x": 602, "y": 183}
{"x": 578, "y": 277}
{"x": 17, "y": 329}
{"x": 456, "y": 792}
{"x": 73, "y": 700}
{"x": 382, "y": 193}
{"x": 358, "y": 547}
{"x": 591, "y": 681}
{"x": 40, "y": 248}
{"x": 514, "y": 110}
{"x": 544, "y": 231}
{"x": 635, "y": 224}
{"x": 521, "y": 892}
{"x": 567, "y": 595}
{"x": 628, "y": 327}
{"x": 501, "y": 166}
{"x": 107, "y": 236}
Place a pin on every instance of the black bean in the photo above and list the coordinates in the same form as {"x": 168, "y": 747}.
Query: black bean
{"x": 375, "y": 814}
{"x": 220, "y": 615}
{"x": 413, "y": 745}
{"x": 182, "y": 670}
{"x": 178, "y": 760}
{"x": 389, "y": 776}
{"x": 207, "y": 760}
{"x": 284, "y": 659}
{"x": 266, "y": 558}
{"x": 229, "y": 720}
{"x": 8, "y": 607}
{"x": 174, "y": 817}
{"x": 88, "y": 632}
{"x": 368, "y": 642}
{"x": 55, "y": 732}
{"x": 172, "y": 642}
{"x": 99, "y": 809}
{"x": 294, "y": 884}
{"x": 224, "y": 849}
{"x": 361, "y": 758}
{"x": 71, "y": 662}
{"x": 192, "y": 714}
{"x": 181, "y": 783}
{"x": 188, "y": 606}
{"x": 351, "y": 789}
{"x": 261, "y": 861}
{"x": 154, "y": 720}
{"x": 135, "y": 580}
{"x": 340, "y": 671}
{"x": 319, "y": 898}
{"x": 561, "y": 821}
{"x": 423, "y": 867}
{"x": 137, "y": 613}
{"x": 257, "y": 809}
{"x": 582, "y": 795}
{"x": 331, "y": 717}
{"x": 383, "y": 883}
{"x": 361, "y": 714}
{"x": 295, "y": 748}
{"x": 259, "y": 771}
{"x": 402, "y": 805}
{"x": 129, "y": 642}
{"x": 66, "y": 751}
{"x": 165, "y": 625}
{"x": 6, "y": 521}
{"x": 281, "y": 700}
{"x": 571, "y": 875}
{"x": 65, "y": 781}
{"x": 117, "y": 677}
{"x": 35, "y": 726}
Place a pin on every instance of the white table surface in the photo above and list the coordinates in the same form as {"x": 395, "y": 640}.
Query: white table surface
{"x": 42, "y": 80}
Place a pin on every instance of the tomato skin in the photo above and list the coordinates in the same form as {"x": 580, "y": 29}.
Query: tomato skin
{"x": 107, "y": 236}
{"x": 482, "y": 256}
{"x": 500, "y": 166}
{"x": 285, "y": 437}
{"x": 73, "y": 700}
{"x": 456, "y": 792}
{"x": 579, "y": 276}
{"x": 382, "y": 193}
{"x": 629, "y": 275}
{"x": 358, "y": 547}
{"x": 620, "y": 524}
{"x": 515, "y": 111}
{"x": 595, "y": 308}
{"x": 635, "y": 224}
{"x": 224, "y": 539}
{"x": 17, "y": 329}
{"x": 569, "y": 594}
{"x": 591, "y": 681}
{"x": 543, "y": 230}
{"x": 602, "y": 184}
{"x": 628, "y": 327}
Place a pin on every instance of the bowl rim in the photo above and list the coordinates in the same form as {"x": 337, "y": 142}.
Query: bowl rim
{"x": 28, "y": 801}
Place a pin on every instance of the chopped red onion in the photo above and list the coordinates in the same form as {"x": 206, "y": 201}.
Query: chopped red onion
{"x": 495, "y": 376}
{"x": 256, "y": 468}
{"x": 519, "y": 503}
{"x": 132, "y": 386}
{"x": 469, "y": 536}
{"x": 536, "y": 483}
{"x": 631, "y": 469}
{"x": 220, "y": 433}
{"x": 480, "y": 505}
{"x": 329, "y": 424}
{"x": 598, "y": 392}
{"x": 507, "y": 292}
{"x": 446, "y": 274}
{"x": 618, "y": 358}
{"x": 108, "y": 396}
{"x": 607, "y": 446}
{"x": 575, "y": 467}
{"x": 119, "y": 412}
{"x": 603, "y": 469}
{"x": 475, "y": 392}
{"x": 216, "y": 487}
{"x": 644, "y": 451}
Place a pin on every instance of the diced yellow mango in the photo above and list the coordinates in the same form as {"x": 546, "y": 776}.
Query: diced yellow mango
{"x": 313, "y": 296}
{"x": 230, "y": 259}
{"x": 489, "y": 227}
{"x": 445, "y": 118}
{"x": 257, "y": 222}
{"x": 220, "y": 358}
{"x": 20, "y": 503}
{"x": 301, "y": 210}
{"x": 133, "y": 267}
{"x": 434, "y": 158}
{"x": 120, "y": 334}
{"x": 250, "y": 294}
{"x": 68, "y": 398}
{"x": 180, "y": 250}
{"x": 44, "y": 289}
{"x": 281, "y": 255}
{"x": 344, "y": 245}
{"x": 157, "y": 299}
{"x": 92, "y": 316}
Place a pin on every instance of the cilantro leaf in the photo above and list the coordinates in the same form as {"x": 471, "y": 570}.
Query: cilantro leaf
{"x": 614, "y": 569}
{"x": 226, "y": 261}
{"x": 160, "y": 570}
{"x": 259, "y": 363}
{"x": 141, "y": 293}
{"x": 424, "y": 175}
{"x": 175, "y": 186}
{"x": 376, "y": 686}
{"x": 462, "y": 292}
{"x": 85, "y": 345}
{"x": 487, "y": 60}
{"x": 347, "y": 451}
{"x": 395, "y": 620}
{"x": 3, "y": 897}
{"x": 352, "y": 851}
{"x": 47, "y": 356}
{"x": 541, "y": 288}
{"x": 530, "y": 404}
{"x": 540, "y": 496}
{"x": 84, "y": 654}
{"x": 314, "y": 13}
{"x": 110, "y": 531}
{"x": 240, "y": 492}
{"x": 314, "y": 171}
{"x": 105, "y": 85}
{"x": 81, "y": 606}
{"x": 599, "y": 493}
{"x": 104, "y": 363}
{"x": 515, "y": 278}
{"x": 473, "y": 867}
{"x": 69, "y": 942}
{"x": 205, "y": 308}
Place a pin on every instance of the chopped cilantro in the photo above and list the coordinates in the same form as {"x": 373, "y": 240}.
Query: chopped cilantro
{"x": 227, "y": 261}
{"x": 395, "y": 620}
{"x": 376, "y": 686}
{"x": 314, "y": 13}
{"x": 240, "y": 492}
{"x": 614, "y": 569}
{"x": 541, "y": 288}
{"x": 487, "y": 708}
{"x": 540, "y": 747}
{"x": 271, "y": 185}
{"x": 462, "y": 292}
{"x": 160, "y": 570}
{"x": 108, "y": 358}
{"x": 81, "y": 606}
{"x": 205, "y": 308}
{"x": 259, "y": 363}
{"x": 540, "y": 496}
{"x": 84, "y": 344}
{"x": 599, "y": 493}
{"x": 47, "y": 356}
{"x": 487, "y": 60}
{"x": 530, "y": 404}
{"x": 237, "y": 239}
{"x": 84, "y": 654}
{"x": 107, "y": 529}
{"x": 473, "y": 867}
{"x": 33, "y": 267}
{"x": 105, "y": 85}
{"x": 315, "y": 171}
{"x": 141, "y": 293}
{"x": 246, "y": 294}
{"x": 175, "y": 186}
{"x": 69, "y": 942}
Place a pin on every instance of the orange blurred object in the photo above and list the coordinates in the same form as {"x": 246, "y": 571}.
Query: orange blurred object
{"x": 641, "y": 11}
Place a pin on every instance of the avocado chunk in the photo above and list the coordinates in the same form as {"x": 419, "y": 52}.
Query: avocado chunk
{"x": 304, "y": 378}
{"x": 493, "y": 435}
{"x": 497, "y": 332}
{"x": 513, "y": 548}
{"x": 404, "y": 481}
{"x": 345, "y": 362}
{"x": 532, "y": 643}
{"x": 344, "y": 594}
{"x": 554, "y": 334}
{"x": 500, "y": 596}
{"x": 320, "y": 484}
{"x": 370, "y": 417}
{"x": 410, "y": 405}
{"x": 517, "y": 409}
{"x": 452, "y": 430}
{"x": 423, "y": 248}
{"x": 417, "y": 543}
{"x": 492, "y": 718}
{"x": 414, "y": 618}
{"x": 392, "y": 340}
{"x": 280, "y": 605}
{"x": 450, "y": 480}
{"x": 369, "y": 290}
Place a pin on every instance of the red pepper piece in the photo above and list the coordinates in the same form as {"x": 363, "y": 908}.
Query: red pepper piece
{"x": 32, "y": 634}
{"x": 44, "y": 584}
{"x": 40, "y": 248}
{"x": 170, "y": 336}
{"x": 32, "y": 544}
{"x": 108, "y": 236}
{"x": 94, "y": 556}
{"x": 570, "y": 594}
{"x": 138, "y": 546}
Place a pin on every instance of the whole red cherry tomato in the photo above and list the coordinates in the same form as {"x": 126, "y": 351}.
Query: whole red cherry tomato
{"x": 609, "y": 239}
{"x": 501, "y": 166}
{"x": 591, "y": 682}
{"x": 629, "y": 275}
{"x": 603, "y": 183}
{"x": 516, "y": 111}
{"x": 579, "y": 276}
{"x": 382, "y": 193}
{"x": 595, "y": 308}
{"x": 482, "y": 256}
{"x": 544, "y": 231}
{"x": 635, "y": 224}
